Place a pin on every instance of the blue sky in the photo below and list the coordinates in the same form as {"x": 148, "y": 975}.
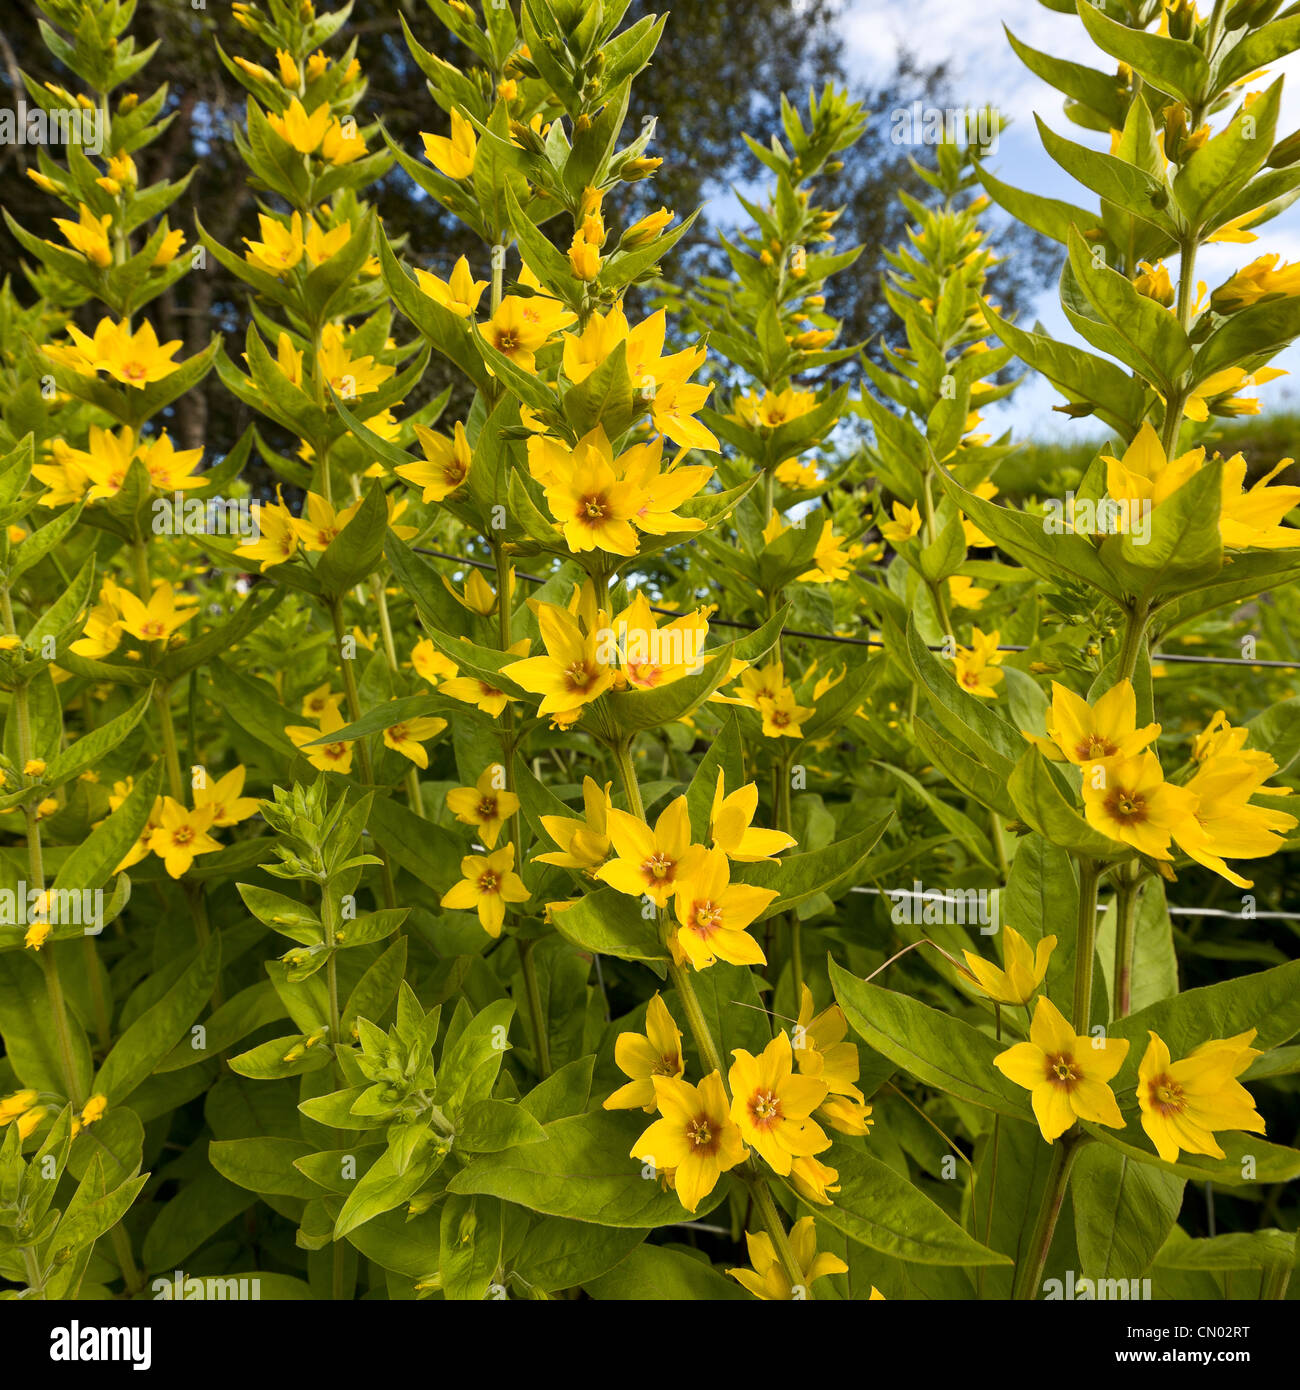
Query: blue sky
{"x": 970, "y": 34}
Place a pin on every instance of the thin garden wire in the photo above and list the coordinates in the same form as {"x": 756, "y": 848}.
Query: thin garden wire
{"x": 865, "y": 641}
{"x": 935, "y": 897}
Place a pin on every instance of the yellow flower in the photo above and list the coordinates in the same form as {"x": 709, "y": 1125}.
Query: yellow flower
{"x": 281, "y": 247}
{"x": 473, "y": 691}
{"x": 713, "y": 913}
{"x": 1128, "y": 799}
{"x": 135, "y": 359}
{"x": 1022, "y": 972}
{"x": 342, "y": 142}
{"x": 651, "y": 656}
{"x": 408, "y": 738}
{"x": 782, "y": 716}
{"x": 820, "y": 1051}
{"x": 976, "y": 666}
{"x": 277, "y": 535}
{"x": 696, "y": 1139}
{"x": 478, "y": 595}
{"x": 768, "y": 1279}
{"x": 651, "y": 863}
{"x": 322, "y": 524}
{"x": 429, "y": 663}
{"x": 289, "y": 360}
{"x": 798, "y": 476}
{"x": 964, "y": 592}
{"x": 905, "y": 526}
{"x": 321, "y": 245}
{"x": 170, "y": 469}
{"x": 94, "y": 1109}
{"x": 774, "y": 408}
{"x": 1065, "y": 1073}
{"x": 225, "y": 800}
{"x": 182, "y": 834}
{"x": 830, "y": 561}
{"x": 731, "y": 826}
{"x": 452, "y": 156}
{"x": 1262, "y": 279}
{"x": 1253, "y": 516}
{"x": 460, "y": 294}
{"x": 772, "y": 1107}
{"x": 1154, "y": 283}
{"x": 658, "y": 1053}
{"x": 28, "y": 1123}
{"x": 88, "y": 235}
{"x": 584, "y": 257}
{"x": 644, "y": 231}
{"x": 487, "y": 805}
{"x": 316, "y": 702}
{"x": 975, "y": 538}
{"x": 325, "y": 757}
{"x": 1082, "y": 733}
{"x": 446, "y": 466}
{"x": 584, "y": 844}
{"x": 1183, "y": 1103}
{"x": 17, "y": 1104}
{"x": 140, "y": 849}
{"x": 659, "y": 492}
{"x": 589, "y": 502}
{"x": 288, "y": 69}
{"x": 571, "y": 674}
{"x": 522, "y": 325}
{"x": 814, "y": 1180}
{"x": 349, "y": 377}
{"x": 487, "y": 884}
{"x": 1223, "y": 824}
{"x": 158, "y": 619}
{"x": 37, "y": 934}
{"x": 300, "y": 130}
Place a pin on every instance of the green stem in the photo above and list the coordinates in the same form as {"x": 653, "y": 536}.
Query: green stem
{"x": 363, "y": 749}
{"x": 414, "y": 795}
{"x": 541, "y": 1043}
{"x": 1085, "y": 957}
{"x": 36, "y": 873}
{"x": 1135, "y": 631}
{"x": 1126, "y": 892}
{"x": 771, "y": 1218}
{"x": 131, "y": 1275}
{"x": 1030, "y": 1274}
{"x": 35, "y": 1279}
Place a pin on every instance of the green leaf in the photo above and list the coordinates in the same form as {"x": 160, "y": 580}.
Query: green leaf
{"x": 879, "y": 1208}
{"x": 1043, "y": 804}
{"x": 490, "y": 1126}
{"x": 582, "y": 1172}
{"x": 609, "y": 923}
{"x": 88, "y": 751}
{"x": 654, "y": 1273}
{"x": 469, "y": 1247}
{"x": 153, "y": 1035}
{"x": 356, "y": 551}
{"x": 264, "y": 1165}
{"x": 28, "y": 1029}
{"x": 931, "y": 1046}
{"x": 1171, "y": 65}
{"x": 559, "y": 1254}
{"x": 798, "y": 877}
{"x": 383, "y": 1187}
{"x": 1123, "y": 1212}
{"x": 1154, "y": 342}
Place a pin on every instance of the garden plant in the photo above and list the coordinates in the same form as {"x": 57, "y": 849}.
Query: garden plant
{"x": 686, "y": 811}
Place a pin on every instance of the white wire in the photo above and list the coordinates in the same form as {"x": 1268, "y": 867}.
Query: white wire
{"x": 933, "y": 897}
